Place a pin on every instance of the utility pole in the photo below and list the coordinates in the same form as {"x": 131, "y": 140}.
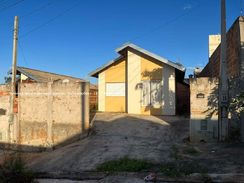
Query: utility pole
{"x": 223, "y": 89}
{"x": 13, "y": 82}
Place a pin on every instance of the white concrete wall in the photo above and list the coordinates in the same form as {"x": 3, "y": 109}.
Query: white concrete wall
{"x": 23, "y": 77}
{"x": 204, "y": 108}
{"x": 168, "y": 90}
{"x": 133, "y": 80}
{"x": 101, "y": 91}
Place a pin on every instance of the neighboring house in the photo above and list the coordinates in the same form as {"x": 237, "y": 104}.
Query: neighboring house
{"x": 28, "y": 75}
{"x": 33, "y": 75}
{"x": 141, "y": 82}
{"x": 204, "y": 89}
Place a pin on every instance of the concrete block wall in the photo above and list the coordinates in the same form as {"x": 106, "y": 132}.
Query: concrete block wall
{"x": 203, "y": 102}
{"x": 52, "y": 113}
{"x": 4, "y": 111}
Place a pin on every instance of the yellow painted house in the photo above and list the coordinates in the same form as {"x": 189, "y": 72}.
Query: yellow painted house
{"x": 138, "y": 82}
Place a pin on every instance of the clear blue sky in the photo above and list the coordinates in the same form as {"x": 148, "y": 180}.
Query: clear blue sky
{"x": 75, "y": 37}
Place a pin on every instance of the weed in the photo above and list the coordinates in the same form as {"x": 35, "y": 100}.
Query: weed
{"x": 124, "y": 165}
{"x": 13, "y": 169}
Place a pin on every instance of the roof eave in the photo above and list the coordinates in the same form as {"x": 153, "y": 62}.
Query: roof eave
{"x": 96, "y": 72}
{"x": 157, "y": 57}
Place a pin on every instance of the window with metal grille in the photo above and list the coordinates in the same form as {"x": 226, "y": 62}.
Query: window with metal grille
{"x": 151, "y": 93}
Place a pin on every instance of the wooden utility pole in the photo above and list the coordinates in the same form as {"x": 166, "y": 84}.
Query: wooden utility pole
{"x": 223, "y": 87}
{"x": 13, "y": 82}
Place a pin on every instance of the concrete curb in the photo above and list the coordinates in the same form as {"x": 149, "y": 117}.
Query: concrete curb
{"x": 93, "y": 175}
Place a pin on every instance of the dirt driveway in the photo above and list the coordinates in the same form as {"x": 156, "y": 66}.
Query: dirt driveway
{"x": 115, "y": 136}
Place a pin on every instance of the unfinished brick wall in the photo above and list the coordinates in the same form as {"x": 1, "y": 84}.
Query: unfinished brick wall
{"x": 204, "y": 102}
{"x": 52, "y": 113}
{"x": 93, "y": 98}
{"x": 233, "y": 53}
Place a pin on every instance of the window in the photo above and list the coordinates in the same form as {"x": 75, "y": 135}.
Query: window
{"x": 115, "y": 89}
{"x": 204, "y": 125}
{"x": 151, "y": 93}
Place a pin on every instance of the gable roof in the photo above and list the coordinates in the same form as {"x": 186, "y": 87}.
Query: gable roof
{"x": 43, "y": 76}
{"x": 141, "y": 50}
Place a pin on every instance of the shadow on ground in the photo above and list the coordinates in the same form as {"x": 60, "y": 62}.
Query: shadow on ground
{"x": 115, "y": 136}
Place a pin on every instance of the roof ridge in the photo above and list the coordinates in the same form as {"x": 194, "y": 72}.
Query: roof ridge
{"x": 49, "y": 72}
{"x": 150, "y": 53}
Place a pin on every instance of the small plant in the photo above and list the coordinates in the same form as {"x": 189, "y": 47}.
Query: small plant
{"x": 178, "y": 169}
{"x": 124, "y": 165}
{"x": 13, "y": 169}
{"x": 237, "y": 103}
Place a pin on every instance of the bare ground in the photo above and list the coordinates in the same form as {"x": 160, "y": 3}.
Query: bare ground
{"x": 115, "y": 136}
{"x": 156, "y": 139}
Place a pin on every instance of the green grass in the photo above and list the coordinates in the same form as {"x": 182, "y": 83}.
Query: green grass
{"x": 124, "y": 165}
{"x": 178, "y": 169}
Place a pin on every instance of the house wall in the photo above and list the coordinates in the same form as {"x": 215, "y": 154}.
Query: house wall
{"x": 51, "y": 114}
{"x": 133, "y": 82}
{"x": 113, "y": 74}
{"x": 133, "y": 71}
{"x": 204, "y": 106}
{"x": 101, "y": 91}
{"x": 155, "y": 70}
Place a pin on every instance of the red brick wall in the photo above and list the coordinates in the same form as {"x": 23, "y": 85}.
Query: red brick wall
{"x": 93, "y": 98}
{"x": 233, "y": 54}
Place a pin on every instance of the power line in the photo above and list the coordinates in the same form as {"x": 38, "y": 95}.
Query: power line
{"x": 38, "y": 9}
{"x": 35, "y": 10}
{"x": 23, "y": 53}
{"x": 165, "y": 24}
{"x": 4, "y": 3}
{"x": 10, "y": 5}
{"x": 51, "y": 20}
